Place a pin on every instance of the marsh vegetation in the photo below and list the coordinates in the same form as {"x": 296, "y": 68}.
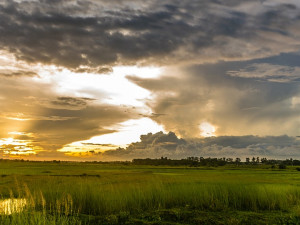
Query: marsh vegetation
{"x": 91, "y": 193}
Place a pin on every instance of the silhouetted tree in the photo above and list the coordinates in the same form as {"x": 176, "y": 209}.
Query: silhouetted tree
{"x": 247, "y": 160}
{"x": 264, "y": 160}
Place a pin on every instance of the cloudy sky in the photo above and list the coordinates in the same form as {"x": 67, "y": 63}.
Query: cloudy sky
{"x": 81, "y": 80}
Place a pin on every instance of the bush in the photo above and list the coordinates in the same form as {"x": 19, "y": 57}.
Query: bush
{"x": 273, "y": 166}
{"x": 282, "y": 166}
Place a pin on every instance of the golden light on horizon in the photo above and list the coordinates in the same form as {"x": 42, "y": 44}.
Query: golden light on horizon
{"x": 128, "y": 132}
{"x": 14, "y": 147}
{"x": 15, "y": 118}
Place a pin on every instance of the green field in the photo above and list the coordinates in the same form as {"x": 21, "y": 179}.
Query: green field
{"x": 91, "y": 193}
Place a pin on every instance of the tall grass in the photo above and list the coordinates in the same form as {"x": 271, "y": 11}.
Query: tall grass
{"x": 93, "y": 198}
{"x": 38, "y": 218}
{"x": 67, "y": 195}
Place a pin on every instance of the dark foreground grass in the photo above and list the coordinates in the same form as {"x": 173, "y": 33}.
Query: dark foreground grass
{"x": 157, "y": 217}
{"x": 109, "y": 194}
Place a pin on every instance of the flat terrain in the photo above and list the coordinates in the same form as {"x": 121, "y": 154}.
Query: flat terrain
{"x": 92, "y": 193}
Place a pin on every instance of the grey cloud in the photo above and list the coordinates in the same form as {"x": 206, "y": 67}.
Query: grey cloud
{"x": 223, "y": 146}
{"x": 97, "y": 144}
{"x": 152, "y": 115}
{"x": 268, "y": 72}
{"x": 250, "y": 140}
{"x": 95, "y": 70}
{"x": 70, "y": 103}
{"x": 83, "y": 35}
{"x": 234, "y": 105}
{"x": 159, "y": 139}
{"x": 17, "y": 73}
{"x": 151, "y": 145}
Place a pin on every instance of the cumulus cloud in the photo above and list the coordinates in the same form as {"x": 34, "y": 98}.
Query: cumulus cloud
{"x": 168, "y": 145}
{"x": 151, "y": 145}
{"x": 94, "y": 35}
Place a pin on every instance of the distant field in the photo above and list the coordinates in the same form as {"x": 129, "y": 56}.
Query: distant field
{"x": 91, "y": 193}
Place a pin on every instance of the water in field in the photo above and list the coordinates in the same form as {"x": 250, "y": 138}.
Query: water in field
{"x": 12, "y": 205}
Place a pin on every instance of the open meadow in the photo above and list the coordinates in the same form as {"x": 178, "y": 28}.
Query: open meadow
{"x": 93, "y": 193}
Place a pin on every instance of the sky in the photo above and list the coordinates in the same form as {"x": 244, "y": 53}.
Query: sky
{"x": 117, "y": 80}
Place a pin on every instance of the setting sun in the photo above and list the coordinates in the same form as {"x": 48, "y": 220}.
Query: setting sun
{"x": 207, "y": 130}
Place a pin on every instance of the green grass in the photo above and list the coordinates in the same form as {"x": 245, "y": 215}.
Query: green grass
{"x": 38, "y": 218}
{"x": 85, "y": 193}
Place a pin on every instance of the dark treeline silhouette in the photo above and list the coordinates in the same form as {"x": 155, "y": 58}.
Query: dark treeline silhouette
{"x": 201, "y": 161}
{"x": 189, "y": 161}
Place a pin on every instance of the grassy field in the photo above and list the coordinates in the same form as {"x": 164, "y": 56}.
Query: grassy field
{"x": 90, "y": 193}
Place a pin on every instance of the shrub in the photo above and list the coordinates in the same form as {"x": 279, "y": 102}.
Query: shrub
{"x": 282, "y": 166}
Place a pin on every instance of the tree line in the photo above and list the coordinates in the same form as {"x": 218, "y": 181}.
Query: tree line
{"x": 201, "y": 161}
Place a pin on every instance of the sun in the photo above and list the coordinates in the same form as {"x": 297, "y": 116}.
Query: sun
{"x": 207, "y": 129}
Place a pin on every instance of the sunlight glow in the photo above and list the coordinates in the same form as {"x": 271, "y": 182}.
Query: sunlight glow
{"x": 143, "y": 72}
{"x": 129, "y": 131}
{"x": 16, "y": 116}
{"x": 11, "y": 146}
{"x": 17, "y": 133}
{"x": 111, "y": 88}
{"x": 10, "y": 141}
{"x": 207, "y": 129}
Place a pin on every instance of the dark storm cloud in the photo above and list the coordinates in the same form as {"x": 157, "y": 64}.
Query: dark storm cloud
{"x": 223, "y": 146}
{"x": 82, "y": 35}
